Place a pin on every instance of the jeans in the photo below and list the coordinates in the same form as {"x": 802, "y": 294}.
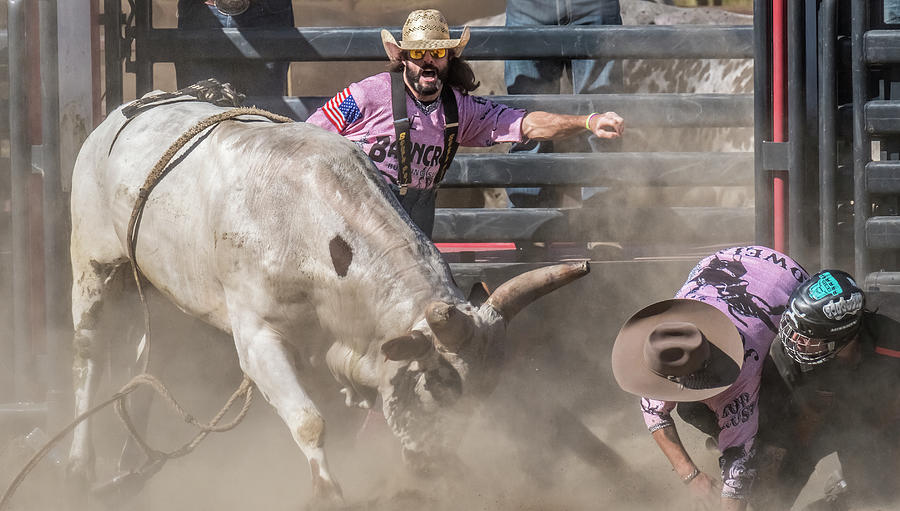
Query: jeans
{"x": 419, "y": 205}
{"x": 544, "y": 77}
{"x": 253, "y": 78}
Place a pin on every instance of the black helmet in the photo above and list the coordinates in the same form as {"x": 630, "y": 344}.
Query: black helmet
{"x": 823, "y": 315}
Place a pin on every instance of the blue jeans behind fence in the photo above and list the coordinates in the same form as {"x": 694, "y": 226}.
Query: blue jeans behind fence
{"x": 253, "y": 78}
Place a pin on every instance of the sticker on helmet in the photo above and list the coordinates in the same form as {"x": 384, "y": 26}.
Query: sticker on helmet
{"x": 827, "y": 285}
{"x": 841, "y": 308}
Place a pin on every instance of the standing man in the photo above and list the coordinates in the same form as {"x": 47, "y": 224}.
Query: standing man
{"x": 423, "y": 103}
{"x": 708, "y": 346}
{"x": 252, "y": 78}
{"x": 839, "y": 355}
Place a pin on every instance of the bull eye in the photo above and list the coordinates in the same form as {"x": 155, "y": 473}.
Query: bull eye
{"x": 444, "y": 383}
{"x": 341, "y": 255}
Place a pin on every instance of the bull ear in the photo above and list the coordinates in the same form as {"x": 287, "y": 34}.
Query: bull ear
{"x": 411, "y": 346}
{"x": 479, "y": 293}
{"x": 516, "y": 293}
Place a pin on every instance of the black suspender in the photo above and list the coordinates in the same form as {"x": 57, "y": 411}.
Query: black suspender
{"x": 451, "y": 127}
{"x": 401, "y": 128}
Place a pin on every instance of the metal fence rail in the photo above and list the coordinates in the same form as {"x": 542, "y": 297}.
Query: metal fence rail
{"x": 487, "y": 43}
{"x": 601, "y": 169}
{"x": 881, "y": 47}
{"x": 618, "y": 171}
{"x": 677, "y": 227}
{"x": 641, "y": 110}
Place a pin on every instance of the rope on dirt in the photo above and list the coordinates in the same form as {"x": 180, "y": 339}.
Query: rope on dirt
{"x": 38, "y": 456}
{"x": 245, "y": 389}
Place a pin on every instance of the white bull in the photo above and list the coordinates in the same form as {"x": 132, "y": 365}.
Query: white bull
{"x": 286, "y": 237}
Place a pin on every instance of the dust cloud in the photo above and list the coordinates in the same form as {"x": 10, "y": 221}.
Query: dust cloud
{"x": 557, "y": 433}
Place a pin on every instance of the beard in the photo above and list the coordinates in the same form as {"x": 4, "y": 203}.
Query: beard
{"x": 412, "y": 77}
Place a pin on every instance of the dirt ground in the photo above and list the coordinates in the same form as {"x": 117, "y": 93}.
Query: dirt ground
{"x": 546, "y": 439}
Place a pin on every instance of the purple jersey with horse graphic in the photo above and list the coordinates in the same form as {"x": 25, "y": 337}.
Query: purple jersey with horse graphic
{"x": 751, "y": 285}
{"x": 362, "y": 113}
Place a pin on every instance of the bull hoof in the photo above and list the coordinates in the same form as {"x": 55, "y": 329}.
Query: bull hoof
{"x": 327, "y": 495}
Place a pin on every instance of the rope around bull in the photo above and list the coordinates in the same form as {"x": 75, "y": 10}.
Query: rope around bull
{"x": 155, "y": 456}
{"x": 156, "y": 174}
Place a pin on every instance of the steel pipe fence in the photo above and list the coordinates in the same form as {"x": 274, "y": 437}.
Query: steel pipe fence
{"x": 878, "y": 50}
{"x": 640, "y": 110}
{"x": 600, "y": 169}
{"x": 670, "y": 226}
{"x": 762, "y": 115}
{"x": 672, "y": 111}
{"x": 859, "y": 21}
{"x": 20, "y": 170}
{"x": 31, "y": 369}
{"x": 827, "y": 66}
{"x": 487, "y": 43}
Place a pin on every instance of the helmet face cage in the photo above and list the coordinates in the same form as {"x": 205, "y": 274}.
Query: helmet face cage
{"x": 823, "y": 315}
{"x": 808, "y": 350}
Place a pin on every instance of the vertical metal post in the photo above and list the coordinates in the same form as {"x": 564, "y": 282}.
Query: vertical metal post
{"x": 859, "y": 22}
{"x": 56, "y": 277}
{"x": 797, "y": 178}
{"x": 779, "y": 211}
{"x": 6, "y": 273}
{"x": 112, "y": 29}
{"x": 762, "y": 115}
{"x": 20, "y": 168}
{"x": 143, "y": 18}
{"x": 827, "y": 135}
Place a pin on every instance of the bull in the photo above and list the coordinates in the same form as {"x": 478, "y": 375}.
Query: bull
{"x": 287, "y": 238}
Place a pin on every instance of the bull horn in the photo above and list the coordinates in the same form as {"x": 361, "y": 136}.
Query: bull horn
{"x": 516, "y": 293}
{"x": 452, "y": 327}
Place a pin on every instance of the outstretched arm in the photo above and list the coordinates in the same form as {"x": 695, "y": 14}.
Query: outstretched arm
{"x": 548, "y": 126}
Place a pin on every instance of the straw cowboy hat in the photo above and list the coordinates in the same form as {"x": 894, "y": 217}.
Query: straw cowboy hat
{"x": 677, "y": 350}
{"x": 424, "y": 30}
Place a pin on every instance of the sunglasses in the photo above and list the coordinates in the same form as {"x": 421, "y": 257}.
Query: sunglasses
{"x": 437, "y": 53}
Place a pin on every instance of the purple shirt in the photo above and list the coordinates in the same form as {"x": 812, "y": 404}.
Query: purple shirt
{"x": 362, "y": 113}
{"x": 751, "y": 285}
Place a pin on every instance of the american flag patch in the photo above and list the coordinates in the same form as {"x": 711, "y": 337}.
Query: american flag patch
{"x": 341, "y": 110}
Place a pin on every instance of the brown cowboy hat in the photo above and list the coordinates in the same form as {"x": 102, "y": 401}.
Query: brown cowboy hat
{"x": 424, "y": 30}
{"x": 677, "y": 350}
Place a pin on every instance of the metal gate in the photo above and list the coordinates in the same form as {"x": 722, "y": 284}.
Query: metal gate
{"x": 45, "y": 127}
{"x": 673, "y": 229}
{"x": 841, "y": 152}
